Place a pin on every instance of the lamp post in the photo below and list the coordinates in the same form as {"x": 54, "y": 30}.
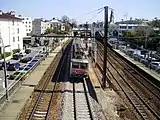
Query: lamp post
{"x": 5, "y": 71}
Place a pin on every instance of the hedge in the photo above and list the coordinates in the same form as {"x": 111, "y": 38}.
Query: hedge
{"x": 16, "y": 51}
{"x": 7, "y": 54}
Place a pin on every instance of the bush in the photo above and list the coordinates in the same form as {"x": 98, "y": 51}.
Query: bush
{"x": 7, "y": 54}
{"x": 16, "y": 51}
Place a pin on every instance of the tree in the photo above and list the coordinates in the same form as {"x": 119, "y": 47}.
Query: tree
{"x": 48, "y": 30}
{"x": 65, "y": 19}
{"x": 73, "y": 22}
{"x": 155, "y": 23}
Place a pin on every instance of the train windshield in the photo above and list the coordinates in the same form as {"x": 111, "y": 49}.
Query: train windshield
{"x": 75, "y": 65}
{"x": 83, "y": 66}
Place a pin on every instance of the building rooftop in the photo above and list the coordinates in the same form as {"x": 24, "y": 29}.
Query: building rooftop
{"x": 130, "y": 22}
{"x": 8, "y": 16}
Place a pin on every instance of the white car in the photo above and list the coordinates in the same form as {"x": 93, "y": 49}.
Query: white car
{"x": 23, "y": 54}
{"x": 155, "y": 65}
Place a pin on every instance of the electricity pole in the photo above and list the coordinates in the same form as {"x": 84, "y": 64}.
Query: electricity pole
{"x": 86, "y": 38}
{"x": 105, "y": 46}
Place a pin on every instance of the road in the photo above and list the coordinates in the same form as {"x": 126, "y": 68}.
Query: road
{"x": 34, "y": 51}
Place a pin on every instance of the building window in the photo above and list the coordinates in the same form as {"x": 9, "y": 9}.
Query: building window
{"x": 18, "y": 46}
{"x": 18, "y": 30}
{"x": 13, "y": 39}
{"x": 129, "y": 27}
{"x": 29, "y": 26}
{"x": 23, "y": 22}
{"x": 12, "y": 22}
{"x": 27, "y": 18}
{"x": 26, "y": 22}
{"x": 29, "y": 29}
{"x": 18, "y": 38}
{"x": 29, "y": 22}
{"x": 26, "y": 29}
{"x": 123, "y": 27}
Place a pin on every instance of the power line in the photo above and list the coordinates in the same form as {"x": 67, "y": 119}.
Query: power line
{"x": 89, "y": 12}
{"x": 96, "y": 14}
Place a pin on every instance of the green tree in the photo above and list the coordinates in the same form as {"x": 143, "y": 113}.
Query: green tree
{"x": 48, "y": 30}
{"x": 155, "y": 23}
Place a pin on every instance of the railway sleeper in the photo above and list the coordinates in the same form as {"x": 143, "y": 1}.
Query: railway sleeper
{"x": 41, "y": 112}
{"x": 39, "y": 115}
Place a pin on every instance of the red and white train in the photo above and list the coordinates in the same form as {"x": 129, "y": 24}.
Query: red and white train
{"x": 79, "y": 60}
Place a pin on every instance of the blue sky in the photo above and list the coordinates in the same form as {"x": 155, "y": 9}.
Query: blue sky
{"x": 77, "y": 8}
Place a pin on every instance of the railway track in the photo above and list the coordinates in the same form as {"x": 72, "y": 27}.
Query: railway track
{"x": 82, "y": 109}
{"x": 44, "y": 93}
{"x": 133, "y": 92}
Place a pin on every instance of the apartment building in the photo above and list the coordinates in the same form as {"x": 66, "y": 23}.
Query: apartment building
{"x": 27, "y": 22}
{"x": 39, "y": 26}
{"x": 55, "y": 24}
{"x": 11, "y": 31}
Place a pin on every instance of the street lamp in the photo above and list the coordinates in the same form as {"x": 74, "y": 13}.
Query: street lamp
{"x": 5, "y": 71}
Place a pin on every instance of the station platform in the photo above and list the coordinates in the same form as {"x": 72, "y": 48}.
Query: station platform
{"x": 12, "y": 108}
{"x": 153, "y": 73}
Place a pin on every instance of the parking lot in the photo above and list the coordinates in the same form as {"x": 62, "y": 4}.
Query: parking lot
{"x": 34, "y": 51}
{"x": 149, "y": 58}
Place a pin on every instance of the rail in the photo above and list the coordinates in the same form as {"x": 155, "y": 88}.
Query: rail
{"x": 135, "y": 99}
{"x": 82, "y": 108}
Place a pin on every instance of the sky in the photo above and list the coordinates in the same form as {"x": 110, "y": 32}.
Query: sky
{"x": 80, "y": 9}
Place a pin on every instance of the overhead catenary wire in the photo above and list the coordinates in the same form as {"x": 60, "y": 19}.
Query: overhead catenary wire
{"x": 96, "y": 14}
{"x": 89, "y": 13}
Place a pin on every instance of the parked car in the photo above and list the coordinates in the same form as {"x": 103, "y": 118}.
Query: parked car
{"x": 7, "y": 63}
{"x": 152, "y": 59}
{"x": 13, "y": 66}
{"x": 26, "y": 59}
{"x": 25, "y": 68}
{"x": 27, "y": 51}
{"x": 39, "y": 56}
{"x": 155, "y": 65}
{"x": 138, "y": 57}
{"x": 145, "y": 62}
{"x": 22, "y": 54}
{"x": 31, "y": 64}
{"x": 35, "y": 60}
{"x": 16, "y": 76}
{"x": 16, "y": 56}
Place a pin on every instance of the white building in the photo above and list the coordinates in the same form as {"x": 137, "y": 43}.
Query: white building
{"x": 55, "y": 24}
{"x": 39, "y": 26}
{"x": 27, "y": 22}
{"x": 11, "y": 31}
{"x": 128, "y": 25}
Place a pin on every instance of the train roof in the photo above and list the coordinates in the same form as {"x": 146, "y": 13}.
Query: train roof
{"x": 80, "y": 60}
